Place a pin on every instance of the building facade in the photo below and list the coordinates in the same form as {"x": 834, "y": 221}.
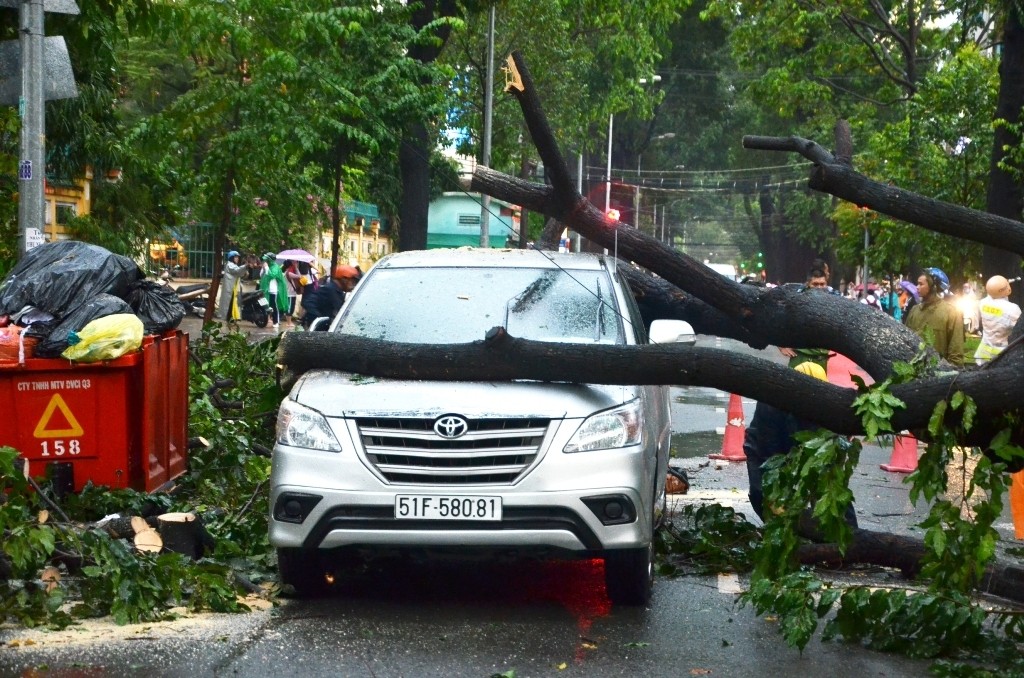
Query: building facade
{"x": 453, "y": 220}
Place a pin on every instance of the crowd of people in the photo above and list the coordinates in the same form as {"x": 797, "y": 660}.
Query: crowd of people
{"x": 293, "y": 290}
{"x": 942, "y": 318}
{"x": 927, "y": 307}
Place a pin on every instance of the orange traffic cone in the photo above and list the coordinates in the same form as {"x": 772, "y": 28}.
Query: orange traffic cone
{"x": 904, "y": 454}
{"x": 1017, "y": 503}
{"x": 732, "y": 443}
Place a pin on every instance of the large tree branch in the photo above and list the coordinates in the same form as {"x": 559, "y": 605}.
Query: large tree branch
{"x": 777, "y": 316}
{"x": 501, "y": 357}
{"x": 834, "y": 178}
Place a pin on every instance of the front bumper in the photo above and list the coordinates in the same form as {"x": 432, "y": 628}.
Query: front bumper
{"x": 562, "y": 521}
{"x": 560, "y": 504}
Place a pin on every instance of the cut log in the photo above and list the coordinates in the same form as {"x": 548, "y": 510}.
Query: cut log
{"x": 124, "y": 527}
{"x": 50, "y": 576}
{"x": 181, "y": 533}
{"x": 149, "y": 541}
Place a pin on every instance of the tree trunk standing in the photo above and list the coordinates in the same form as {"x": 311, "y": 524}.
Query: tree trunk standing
{"x": 1005, "y": 192}
{"x": 224, "y": 226}
{"x": 415, "y": 149}
{"x": 768, "y": 236}
{"x": 524, "y": 213}
{"x": 414, "y": 164}
{"x": 339, "y": 163}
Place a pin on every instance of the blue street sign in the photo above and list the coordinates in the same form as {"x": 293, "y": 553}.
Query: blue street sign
{"x": 25, "y": 170}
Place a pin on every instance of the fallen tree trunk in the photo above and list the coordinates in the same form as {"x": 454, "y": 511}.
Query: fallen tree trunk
{"x": 501, "y": 357}
{"x": 906, "y": 554}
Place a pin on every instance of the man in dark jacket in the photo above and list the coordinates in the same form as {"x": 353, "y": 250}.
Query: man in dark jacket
{"x": 771, "y": 432}
{"x": 328, "y": 299}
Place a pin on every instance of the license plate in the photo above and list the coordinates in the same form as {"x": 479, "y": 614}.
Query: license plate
{"x": 263, "y": 301}
{"x": 447, "y": 507}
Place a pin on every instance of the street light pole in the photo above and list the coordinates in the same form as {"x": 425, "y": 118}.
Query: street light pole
{"x": 608, "y": 173}
{"x": 485, "y": 211}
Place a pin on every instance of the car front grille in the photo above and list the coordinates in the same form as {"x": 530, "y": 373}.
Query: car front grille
{"x": 491, "y": 452}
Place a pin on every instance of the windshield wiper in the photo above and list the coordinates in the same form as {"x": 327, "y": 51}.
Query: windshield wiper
{"x": 600, "y": 314}
{"x": 533, "y": 292}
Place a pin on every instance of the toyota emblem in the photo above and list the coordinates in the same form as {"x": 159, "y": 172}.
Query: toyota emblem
{"x": 451, "y": 426}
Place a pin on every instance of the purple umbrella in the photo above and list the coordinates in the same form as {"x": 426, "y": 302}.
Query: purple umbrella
{"x": 911, "y": 288}
{"x": 296, "y": 255}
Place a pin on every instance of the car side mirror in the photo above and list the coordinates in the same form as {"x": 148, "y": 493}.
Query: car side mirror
{"x": 320, "y": 324}
{"x": 672, "y": 332}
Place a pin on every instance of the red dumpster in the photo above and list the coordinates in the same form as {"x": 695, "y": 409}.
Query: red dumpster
{"x": 119, "y": 423}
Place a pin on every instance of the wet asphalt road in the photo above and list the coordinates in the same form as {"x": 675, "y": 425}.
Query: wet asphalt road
{"x": 481, "y": 619}
{"x": 403, "y": 619}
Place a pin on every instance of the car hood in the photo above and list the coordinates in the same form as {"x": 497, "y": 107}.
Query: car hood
{"x": 342, "y": 394}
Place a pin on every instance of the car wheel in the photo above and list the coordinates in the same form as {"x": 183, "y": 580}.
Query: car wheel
{"x": 629, "y": 575}
{"x": 302, "y": 570}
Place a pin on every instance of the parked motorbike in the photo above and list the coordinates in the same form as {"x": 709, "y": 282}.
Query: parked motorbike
{"x": 255, "y": 308}
{"x": 194, "y": 297}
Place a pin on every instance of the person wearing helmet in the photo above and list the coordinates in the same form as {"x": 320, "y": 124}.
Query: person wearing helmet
{"x": 998, "y": 316}
{"x": 230, "y": 284}
{"x": 935, "y": 319}
{"x": 273, "y": 285}
{"x": 772, "y": 432}
{"x": 326, "y": 301}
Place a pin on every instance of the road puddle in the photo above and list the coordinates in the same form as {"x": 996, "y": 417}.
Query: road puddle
{"x": 695, "y": 444}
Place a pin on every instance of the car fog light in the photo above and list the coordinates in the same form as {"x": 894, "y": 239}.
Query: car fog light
{"x": 613, "y": 510}
{"x": 294, "y": 507}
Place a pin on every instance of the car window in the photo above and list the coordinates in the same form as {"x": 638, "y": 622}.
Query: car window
{"x": 459, "y": 305}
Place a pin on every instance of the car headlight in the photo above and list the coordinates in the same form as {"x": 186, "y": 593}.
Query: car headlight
{"x": 301, "y": 426}
{"x": 607, "y": 430}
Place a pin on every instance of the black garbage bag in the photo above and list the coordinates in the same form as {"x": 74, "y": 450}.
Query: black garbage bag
{"x": 54, "y": 335}
{"x": 157, "y": 306}
{"x": 59, "y": 277}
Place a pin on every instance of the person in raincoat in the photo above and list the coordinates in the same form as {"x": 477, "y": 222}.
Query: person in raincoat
{"x": 935, "y": 319}
{"x": 273, "y": 285}
{"x": 230, "y": 284}
{"x": 998, "y": 317}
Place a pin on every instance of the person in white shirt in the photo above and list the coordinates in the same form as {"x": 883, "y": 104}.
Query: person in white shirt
{"x": 998, "y": 316}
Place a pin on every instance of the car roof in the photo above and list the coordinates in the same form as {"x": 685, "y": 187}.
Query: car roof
{"x": 490, "y": 258}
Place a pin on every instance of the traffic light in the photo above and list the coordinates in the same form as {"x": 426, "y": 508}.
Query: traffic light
{"x": 612, "y": 214}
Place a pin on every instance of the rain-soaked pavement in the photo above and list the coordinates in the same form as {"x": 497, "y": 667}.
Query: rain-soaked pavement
{"x": 409, "y": 618}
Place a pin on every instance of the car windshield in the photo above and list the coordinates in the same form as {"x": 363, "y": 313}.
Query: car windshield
{"x": 458, "y": 305}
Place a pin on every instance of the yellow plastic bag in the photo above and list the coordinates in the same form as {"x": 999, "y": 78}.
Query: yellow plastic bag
{"x": 105, "y": 338}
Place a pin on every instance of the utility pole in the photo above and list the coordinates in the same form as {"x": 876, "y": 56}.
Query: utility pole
{"x": 485, "y": 210}
{"x": 45, "y": 73}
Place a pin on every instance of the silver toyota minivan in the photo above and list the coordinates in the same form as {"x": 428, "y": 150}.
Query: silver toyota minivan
{"x": 364, "y": 465}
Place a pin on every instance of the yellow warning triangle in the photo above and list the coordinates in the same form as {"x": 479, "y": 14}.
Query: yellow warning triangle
{"x": 42, "y": 428}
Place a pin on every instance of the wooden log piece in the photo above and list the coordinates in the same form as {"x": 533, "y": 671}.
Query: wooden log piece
{"x": 181, "y": 533}
{"x": 148, "y": 541}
